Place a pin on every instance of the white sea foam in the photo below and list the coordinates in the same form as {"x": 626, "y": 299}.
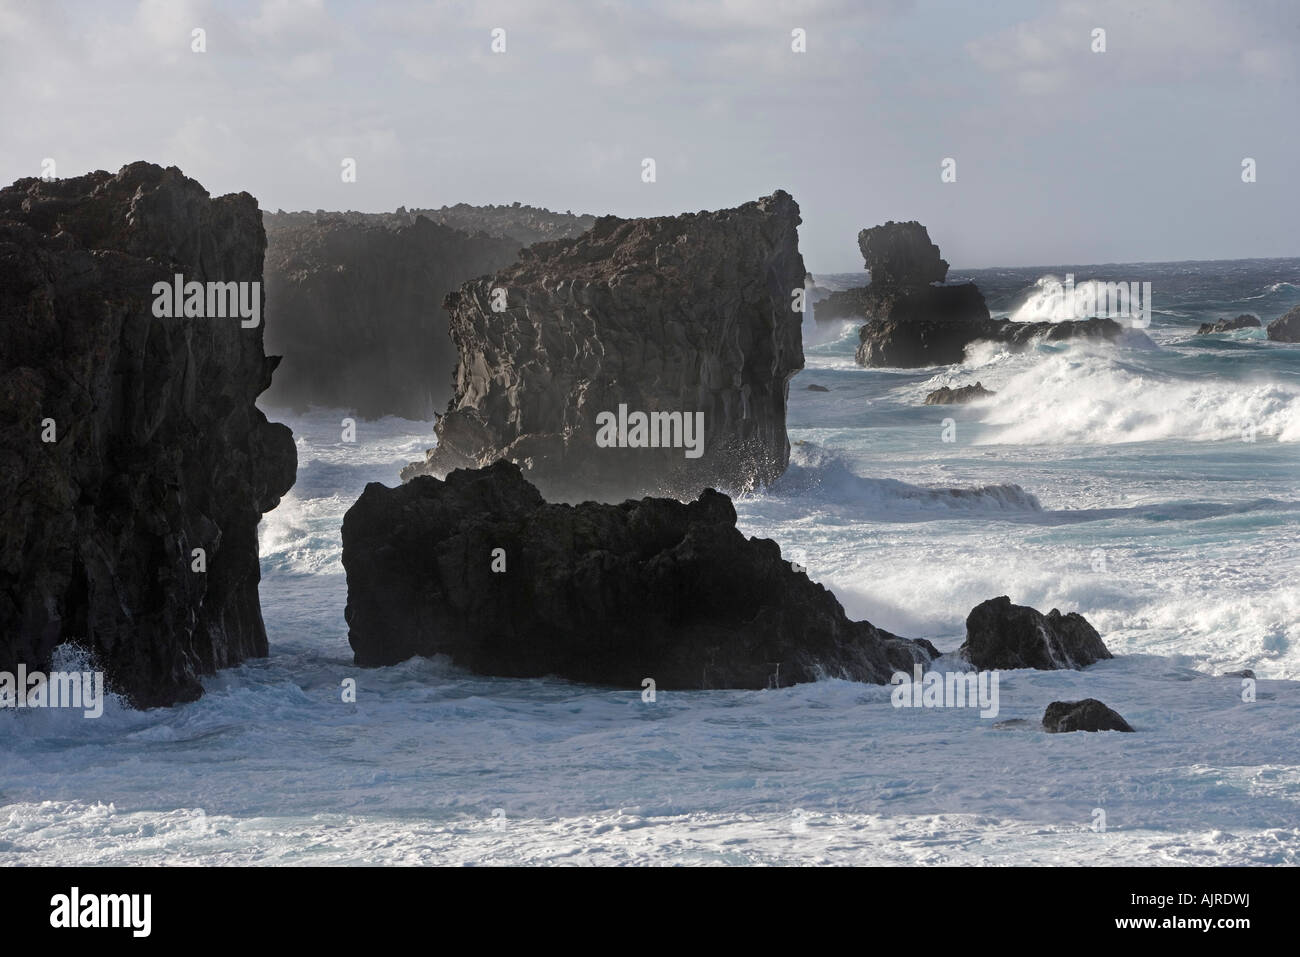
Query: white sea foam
{"x": 1092, "y": 397}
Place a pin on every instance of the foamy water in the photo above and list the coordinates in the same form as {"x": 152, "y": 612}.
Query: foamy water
{"x": 1111, "y": 482}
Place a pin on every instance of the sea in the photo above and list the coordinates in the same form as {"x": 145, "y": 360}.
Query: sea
{"x": 1154, "y": 488}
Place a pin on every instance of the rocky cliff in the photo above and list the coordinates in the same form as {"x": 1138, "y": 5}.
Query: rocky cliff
{"x": 130, "y": 440}
{"x": 480, "y": 568}
{"x": 356, "y": 309}
{"x": 645, "y": 356}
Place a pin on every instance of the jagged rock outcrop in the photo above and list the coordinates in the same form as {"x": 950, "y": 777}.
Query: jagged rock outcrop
{"x": 901, "y": 256}
{"x": 645, "y": 356}
{"x": 1244, "y": 321}
{"x": 904, "y": 265}
{"x": 1086, "y": 715}
{"x": 1002, "y": 635}
{"x": 1286, "y": 328}
{"x": 912, "y": 322}
{"x": 155, "y": 445}
{"x": 478, "y": 567}
{"x": 959, "y": 396}
{"x": 356, "y": 309}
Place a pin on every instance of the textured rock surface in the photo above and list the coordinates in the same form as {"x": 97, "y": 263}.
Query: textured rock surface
{"x": 1244, "y": 321}
{"x": 160, "y": 449}
{"x": 687, "y": 314}
{"x": 607, "y": 594}
{"x": 356, "y": 309}
{"x": 524, "y": 225}
{"x": 960, "y": 396}
{"x": 1286, "y": 328}
{"x": 900, "y": 255}
{"x": 1002, "y": 635}
{"x": 911, "y": 343}
{"x": 1086, "y": 715}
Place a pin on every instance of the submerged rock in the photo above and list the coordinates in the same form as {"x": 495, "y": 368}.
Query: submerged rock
{"x": 1086, "y": 715}
{"x": 478, "y": 567}
{"x": 818, "y": 388}
{"x": 960, "y": 396}
{"x": 130, "y": 440}
{"x": 1287, "y": 328}
{"x": 356, "y": 309}
{"x": 645, "y": 356}
{"x": 1244, "y": 321}
{"x": 1005, "y": 636}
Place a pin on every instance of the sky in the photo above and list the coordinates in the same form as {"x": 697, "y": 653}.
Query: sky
{"x": 1062, "y": 154}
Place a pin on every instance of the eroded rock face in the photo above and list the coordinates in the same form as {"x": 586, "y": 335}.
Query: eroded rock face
{"x": 959, "y": 396}
{"x": 356, "y": 309}
{"x": 1286, "y": 328}
{"x": 480, "y": 568}
{"x": 901, "y": 256}
{"x": 159, "y": 447}
{"x": 1244, "y": 321}
{"x": 1086, "y": 715}
{"x": 1002, "y": 635}
{"x": 688, "y": 316}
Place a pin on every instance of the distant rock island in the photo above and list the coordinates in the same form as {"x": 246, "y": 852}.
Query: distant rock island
{"x": 913, "y": 319}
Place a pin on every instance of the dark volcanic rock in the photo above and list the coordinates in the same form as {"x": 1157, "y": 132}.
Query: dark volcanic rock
{"x": 1086, "y": 715}
{"x": 855, "y": 303}
{"x": 688, "y": 315}
{"x": 909, "y": 344}
{"x": 160, "y": 448}
{"x": 911, "y": 322}
{"x": 1244, "y": 321}
{"x": 1287, "y": 328}
{"x": 356, "y": 310}
{"x": 1002, "y": 635}
{"x": 522, "y": 224}
{"x": 901, "y": 255}
{"x": 967, "y": 393}
{"x": 607, "y": 594}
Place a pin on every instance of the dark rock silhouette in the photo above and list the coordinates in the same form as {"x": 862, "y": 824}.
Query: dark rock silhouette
{"x": 356, "y": 309}
{"x": 606, "y": 594}
{"x": 1002, "y": 635}
{"x": 917, "y": 342}
{"x": 160, "y": 449}
{"x": 1244, "y": 321}
{"x": 901, "y": 256}
{"x": 818, "y": 388}
{"x": 959, "y": 396}
{"x": 687, "y": 315}
{"x": 912, "y": 322}
{"x": 1286, "y": 328}
{"x": 1086, "y": 715}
